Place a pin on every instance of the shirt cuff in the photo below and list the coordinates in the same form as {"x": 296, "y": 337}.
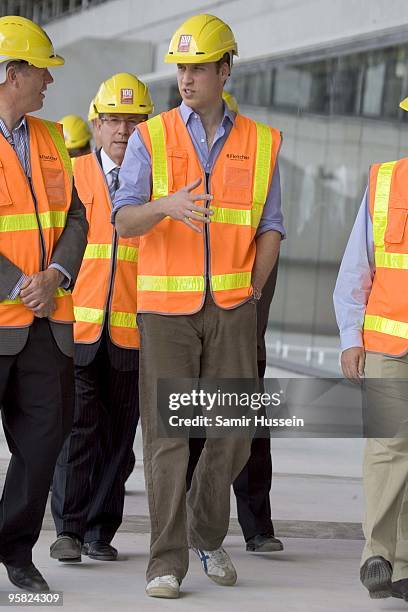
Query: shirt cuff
{"x": 15, "y": 292}
{"x": 65, "y": 284}
{"x": 351, "y": 338}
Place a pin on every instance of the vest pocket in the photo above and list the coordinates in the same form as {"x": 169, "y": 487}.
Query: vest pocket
{"x": 236, "y": 186}
{"x": 178, "y": 170}
{"x": 5, "y": 199}
{"x": 54, "y": 186}
{"x": 397, "y": 220}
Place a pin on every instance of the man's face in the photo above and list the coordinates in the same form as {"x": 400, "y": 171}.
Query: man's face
{"x": 201, "y": 85}
{"x": 32, "y": 83}
{"x": 114, "y": 131}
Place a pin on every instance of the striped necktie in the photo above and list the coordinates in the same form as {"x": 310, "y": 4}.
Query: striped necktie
{"x": 114, "y": 183}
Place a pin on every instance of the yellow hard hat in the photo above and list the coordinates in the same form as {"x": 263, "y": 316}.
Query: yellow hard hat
{"x": 123, "y": 93}
{"x": 92, "y": 114}
{"x": 22, "y": 39}
{"x": 230, "y": 101}
{"x": 404, "y": 104}
{"x": 200, "y": 39}
{"x": 76, "y": 131}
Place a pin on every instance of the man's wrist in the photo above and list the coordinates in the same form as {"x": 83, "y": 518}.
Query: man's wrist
{"x": 256, "y": 293}
{"x": 56, "y": 275}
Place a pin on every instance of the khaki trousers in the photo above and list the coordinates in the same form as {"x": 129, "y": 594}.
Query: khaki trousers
{"x": 213, "y": 343}
{"x": 385, "y": 468}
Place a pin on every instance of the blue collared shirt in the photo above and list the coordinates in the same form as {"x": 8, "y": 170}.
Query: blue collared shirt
{"x": 18, "y": 138}
{"x": 355, "y": 279}
{"x": 136, "y": 173}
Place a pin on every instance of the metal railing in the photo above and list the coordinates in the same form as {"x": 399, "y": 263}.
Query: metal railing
{"x": 44, "y": 11}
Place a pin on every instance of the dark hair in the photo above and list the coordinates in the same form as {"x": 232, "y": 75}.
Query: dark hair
{"x": 226, "y": 59}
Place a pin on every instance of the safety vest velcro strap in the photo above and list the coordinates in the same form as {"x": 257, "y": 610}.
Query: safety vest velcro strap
{"x": 170, "y": 283}
{"x": 386, "y": 326}
{"x": 123, "y": 319}
{"x": 84, "y": 314}
{"x": 398, "y": 261}
{"x": 23, "y": 222}
{"x": 104, "y": 251}
{"x": 59, "y": 293}
{"x": 222, "y": 282}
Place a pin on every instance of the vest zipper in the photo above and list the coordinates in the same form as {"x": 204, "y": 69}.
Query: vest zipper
{"x": 42, "y": 241}
{"x": 207, "y": 262}
{"x": 111, "y": 280}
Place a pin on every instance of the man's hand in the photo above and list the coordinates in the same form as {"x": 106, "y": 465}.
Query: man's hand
{"x": 180, "y": 206}
{"x": 37, "y": 293}
{"x": 352, "y": 363}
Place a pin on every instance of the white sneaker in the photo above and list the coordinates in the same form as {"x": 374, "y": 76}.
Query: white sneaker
{"x": 163, "y": 586}
{"x": 217, "y": 565}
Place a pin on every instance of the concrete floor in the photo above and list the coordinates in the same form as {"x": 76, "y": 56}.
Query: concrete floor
{"x": 308, "y": 576}
{"x": 316, "y": 495}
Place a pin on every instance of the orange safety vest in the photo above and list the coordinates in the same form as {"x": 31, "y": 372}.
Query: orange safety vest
{"x": 386, "y": 317}
{"x": 107, "y": 279}
{"x": 174, "y": 261}
{"x": 33, "y": 216}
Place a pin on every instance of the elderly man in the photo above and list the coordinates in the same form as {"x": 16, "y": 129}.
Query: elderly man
{"x": 43, "y": 237}
{"x": 198, "y": 283}
{"x": 89, "y": 484}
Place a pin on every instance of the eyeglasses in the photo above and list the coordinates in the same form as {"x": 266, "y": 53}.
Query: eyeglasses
{"x": 115, "y": 122}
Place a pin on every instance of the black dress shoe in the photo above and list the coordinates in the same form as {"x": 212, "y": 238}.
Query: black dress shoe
{"x": 66, "y": 549}
{"x": 262, "y": 543}
{"x": 400, "y": 589}
{"x": 99, "y": 550}
{"x": 27, "y": 578}
{"x": 375, "y": 575}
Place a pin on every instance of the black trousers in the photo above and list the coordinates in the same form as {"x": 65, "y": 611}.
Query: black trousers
{"x": 89, "y": 482}
{"x": 37, "y": 398}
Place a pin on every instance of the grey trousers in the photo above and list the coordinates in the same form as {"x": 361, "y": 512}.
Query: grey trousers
{"x": 385, "y": 468}
{"x": 213, "y": 343}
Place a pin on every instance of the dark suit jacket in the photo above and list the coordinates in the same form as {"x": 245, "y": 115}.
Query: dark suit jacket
{"x": 68, "y": 253}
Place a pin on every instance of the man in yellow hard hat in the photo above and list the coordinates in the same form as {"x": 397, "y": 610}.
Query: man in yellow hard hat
{"x": 200, "y": 185}
{"x": 43, "y": 237}
{"x": 89, "y": 483}
{"x": 77, "y": 135}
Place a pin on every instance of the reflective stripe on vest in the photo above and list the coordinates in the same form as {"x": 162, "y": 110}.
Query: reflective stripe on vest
{"x": 58, "y": 294}
{"x": 104, "y": 251}
{"x": 96, "y": 315}
{"x": 232, "y": 216}
{"x": 16, "y": 223}
{"x": 160, "y": 176}
{"x": 386, "y": 326}
{"x": 220, "y": 282}
{"x": 384, "y": 259}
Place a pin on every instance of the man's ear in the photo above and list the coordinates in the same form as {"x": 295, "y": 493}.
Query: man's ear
{"x": 225, "y": 71}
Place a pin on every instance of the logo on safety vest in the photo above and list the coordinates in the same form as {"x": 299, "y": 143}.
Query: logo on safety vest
{"x": 126, "y": 96}
{"x": 184, "y": 43}
{"x": 48, "y": 157}
{"x": 237, "y": 156}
